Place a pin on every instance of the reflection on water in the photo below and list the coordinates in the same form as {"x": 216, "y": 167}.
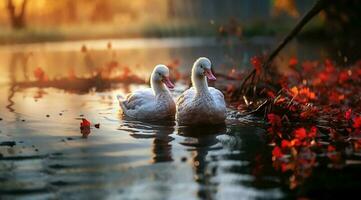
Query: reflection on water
{"x": 48, "y": 159}
{"x": 159, "y": 134}
{"x": 85, "y": 57}
{"x": 203, "y": 140}
{"x": 122, "y": 159}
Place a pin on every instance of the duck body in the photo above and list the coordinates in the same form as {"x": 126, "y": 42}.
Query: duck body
{"x": 151, "y": 104}
{"x": 205, "y": 108}
{"x": 201, "y": 104}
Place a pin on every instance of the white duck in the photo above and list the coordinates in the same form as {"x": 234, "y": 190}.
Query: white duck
{"x": 151, "y": 104}
{"x": 201, "y": 104}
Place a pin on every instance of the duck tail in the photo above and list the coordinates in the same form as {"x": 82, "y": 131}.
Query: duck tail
{"x": 121, "y": 103}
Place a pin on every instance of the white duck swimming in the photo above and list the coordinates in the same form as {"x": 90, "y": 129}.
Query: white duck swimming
{"x": 151, "y": 104}
{"x": 201, "y": 104}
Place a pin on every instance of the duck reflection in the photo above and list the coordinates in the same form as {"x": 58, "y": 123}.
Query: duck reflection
{"x": 202, "y": 140}
{"x": 159, "y": 133}
{"x": 161, "y": 148}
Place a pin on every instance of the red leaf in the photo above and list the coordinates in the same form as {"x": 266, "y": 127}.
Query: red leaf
{"x": 300, "y": 133}
{"x": 293, "y": 62}
{"x": 309, "y": 66}
{"x": 85, "y": 128}
{"x": 330, "y": 68}
{"x": 274, "y": 119}
{"x": 336, "y": 97}
{"x": 357, "y": 122}
{"x": 294, "y": 91}
{"x": 313, "y": 132}
{"x": 257, "y": 64}
{"x": 285, "y": 144}
{"x": 343, "y": 76}
{"x": 84, "y": 122}
{"x": 296, "y": 142}
{"x": 331, "y": 148}
{"x": 277, "y": 152}
{"x": 348, "y": 114}
{"x": 271, "y": 94}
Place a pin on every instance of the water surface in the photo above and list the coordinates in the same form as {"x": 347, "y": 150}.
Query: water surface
{"x": 44, "y": 157}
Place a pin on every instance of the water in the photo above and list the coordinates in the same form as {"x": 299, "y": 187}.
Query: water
{"x": 141, "y": 55}
{"x": 124, "y": 159}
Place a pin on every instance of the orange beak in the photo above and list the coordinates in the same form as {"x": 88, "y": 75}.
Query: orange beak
{"x": 168, "y": 83}
{"x": 209, "y": 75}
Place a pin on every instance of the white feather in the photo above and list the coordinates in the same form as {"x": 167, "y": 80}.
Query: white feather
{"x": 200, "y": 104}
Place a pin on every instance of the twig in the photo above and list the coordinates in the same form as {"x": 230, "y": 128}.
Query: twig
{"x": 317, "y": 7}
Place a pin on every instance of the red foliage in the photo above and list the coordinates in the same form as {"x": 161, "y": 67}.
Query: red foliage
{"x": 323, "y": 96}
{"x": 303, "y": 94}
{"x": 312, "y": 132}
{"x": 274, "y": 120}
{"x": 357, "y": 122}
{"x": 309, "y": 66}
{"x": 336, "y": 97}
{"x": 40, "y": 74}
{"x": 348, "y": 114}
{"x": 277, "y": 152}
{"x": 293, "y": 62}
{"x": 286, "y": 144}
{"x": 257, "y": 64}
{"x": 343, "y": 76}
{"x": 300, "y": 133}
{"x": 271, "y": 94}
{"x": 331, "y": 148}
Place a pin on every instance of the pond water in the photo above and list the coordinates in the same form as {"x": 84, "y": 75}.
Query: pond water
{"x": 43, "y": 155}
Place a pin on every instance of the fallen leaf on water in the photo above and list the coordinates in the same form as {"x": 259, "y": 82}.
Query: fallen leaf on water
{"x": 85, "y": 128}
{"x": 85, "y": 122}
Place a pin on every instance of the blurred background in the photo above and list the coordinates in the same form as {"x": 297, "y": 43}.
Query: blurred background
{"x": 85, "y": 35}
{"x": 44, "y": 20}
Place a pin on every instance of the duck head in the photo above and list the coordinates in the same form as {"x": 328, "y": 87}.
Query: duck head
{"x": 203, "y": 67}
{"x": 161, "y": 75}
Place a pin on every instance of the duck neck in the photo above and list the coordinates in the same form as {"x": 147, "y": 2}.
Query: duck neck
{"x": 199, "y": 83}
{"x": 158, "y": 88}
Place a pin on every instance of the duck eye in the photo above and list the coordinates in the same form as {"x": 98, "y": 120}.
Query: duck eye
{"x": 159, "y": 74}
{"x": 202, "y": 66}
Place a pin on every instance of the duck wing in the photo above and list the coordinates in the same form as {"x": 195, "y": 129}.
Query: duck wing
{"x": 218, "y": 97}
{"x": 186, "y": 97}
{"x": 138, "y": 98}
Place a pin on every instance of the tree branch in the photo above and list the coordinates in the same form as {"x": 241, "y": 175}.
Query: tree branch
{"x": 317, "y": 7}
